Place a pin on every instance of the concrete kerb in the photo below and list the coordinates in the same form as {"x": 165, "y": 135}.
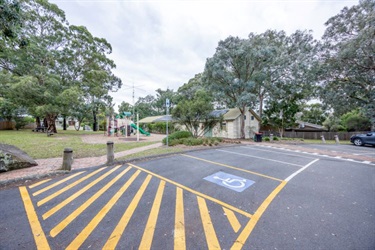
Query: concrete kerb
{"x": 36, "y": 177}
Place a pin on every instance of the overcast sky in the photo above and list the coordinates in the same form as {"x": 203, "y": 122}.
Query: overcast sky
{"x": 160, "y": 44}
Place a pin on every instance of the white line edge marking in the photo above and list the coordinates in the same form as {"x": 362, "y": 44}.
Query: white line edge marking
{"x": 265, "y": 150}
{"x": 327, "y": 156}
{"x": 300, "y": 170}
{"x": 283, "y": 162}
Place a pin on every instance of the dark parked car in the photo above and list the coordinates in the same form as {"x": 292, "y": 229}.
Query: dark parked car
{"x": 362, "y": 139}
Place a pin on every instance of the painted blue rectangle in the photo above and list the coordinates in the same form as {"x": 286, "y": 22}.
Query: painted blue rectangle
{"x": 230, "y": 181}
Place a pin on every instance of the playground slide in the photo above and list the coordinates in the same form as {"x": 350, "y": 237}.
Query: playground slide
{"x": 140, "y": 130}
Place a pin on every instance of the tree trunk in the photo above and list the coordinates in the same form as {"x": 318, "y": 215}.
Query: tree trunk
{"x": 95, "y": 125}
{"x": 64, "y": 123}
{"x": 37, "y": 121}
{"x": 261, "y": 98}
{"x": 242, "y": 123}
{"x": 51, "y": 122}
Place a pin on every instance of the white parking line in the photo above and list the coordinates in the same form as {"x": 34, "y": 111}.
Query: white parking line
{"x": 300, "y": 170}
{"x": 326, "y": 156}
{"x": 273, "y": 151}
{"x": 283, "y": 162}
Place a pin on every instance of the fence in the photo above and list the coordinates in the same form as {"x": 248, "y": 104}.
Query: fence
{"x": 317, "y": 135}
{"x": 7, "y": 125}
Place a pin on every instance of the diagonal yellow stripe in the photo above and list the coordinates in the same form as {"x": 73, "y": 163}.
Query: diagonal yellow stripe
{"x": 36, "y": 228}
{"x": 239, "y": 169}
{"x": 238, "y": 244}
{"x": 152, "y": 219}
{"x": 82, "y": 236}
{"x": 209, "y": 231}
{"x": 77, "y": 194}
{"x": 195, "y": 192}
{"x": 39, "y": 183}
{"x": 232, "y": 219}
{"x": 55, "y": 194}
{"x": 56, "y": 183}
{"x": 64, "y": 223}
{"x": 179, "y": 227}
{"x": 120, "y": 228}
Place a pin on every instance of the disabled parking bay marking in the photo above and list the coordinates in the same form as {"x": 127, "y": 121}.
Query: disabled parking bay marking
{"x": 230, "y": 181}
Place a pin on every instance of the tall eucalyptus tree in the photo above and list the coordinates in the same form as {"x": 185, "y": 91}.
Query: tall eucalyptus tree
{"x": 348, "y": 60}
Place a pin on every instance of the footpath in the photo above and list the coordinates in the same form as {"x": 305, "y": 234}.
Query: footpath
{"x": 52, "y": 165}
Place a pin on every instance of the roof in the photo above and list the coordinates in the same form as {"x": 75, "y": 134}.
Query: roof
{"x": 232, "y": 114}
{"x": 150, "y": 119}
{"x": 218, "y": 113}
{"x": 303, "y": 124}
{"x": 158, "y": 118}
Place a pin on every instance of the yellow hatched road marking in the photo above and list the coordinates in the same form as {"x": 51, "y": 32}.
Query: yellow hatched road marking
{"x": 209, "y": 231}
{"x": 195, "y": 192}
{"x": 36, "y": 228}
{"x": 120, "y": 228}
{"x": 152, "y": 219}
{"x": 251, "y": 224}
{"x": 57, "y": 229}
{"x": 75, "y": 195}
{"x": 56, "y": 183}
{"x": 239, "y": 169}
{"x": 232, "y": 219}
{"x": 179, "y": 228}
{"x": 50, "y": 197}
{"x": 78, "y": 241}
{"x": 38, "y": 183}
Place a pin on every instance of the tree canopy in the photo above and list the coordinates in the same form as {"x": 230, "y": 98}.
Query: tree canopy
{"x": 348, "y": 60}
{"x": 57, "y": 67}
{"x": 270, "y": 67}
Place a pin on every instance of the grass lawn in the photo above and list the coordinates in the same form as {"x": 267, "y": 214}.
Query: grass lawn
{"x": 327, "y": 141}
{"x": 40, "y": 146}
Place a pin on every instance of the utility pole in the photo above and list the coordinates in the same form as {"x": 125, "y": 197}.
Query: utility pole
{"x": 167, "y": 105}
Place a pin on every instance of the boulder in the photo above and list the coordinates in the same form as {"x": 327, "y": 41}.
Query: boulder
{"x": 12, "y": 158}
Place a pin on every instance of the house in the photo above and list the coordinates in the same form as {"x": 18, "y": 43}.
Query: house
{"x": 230, "y": 125}
{"x": 227, "y": 127}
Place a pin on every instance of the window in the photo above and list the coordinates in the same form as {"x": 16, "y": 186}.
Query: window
{"x": 224, "y": 126}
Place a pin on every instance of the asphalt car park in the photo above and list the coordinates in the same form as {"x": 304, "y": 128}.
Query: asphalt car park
{"x": 249, "y": 197}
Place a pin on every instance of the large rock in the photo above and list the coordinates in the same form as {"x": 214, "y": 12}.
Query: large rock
{"x": 12, "y": 158}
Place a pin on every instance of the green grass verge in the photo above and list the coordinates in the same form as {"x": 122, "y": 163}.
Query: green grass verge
{"x": 40, "y": 146}
{"x": 152, "y": 152}
{"x": 311, "y": 141}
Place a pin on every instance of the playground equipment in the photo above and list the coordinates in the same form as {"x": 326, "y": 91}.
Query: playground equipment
{"x": 140, "y": 130}
{"x": 122, "y": 123}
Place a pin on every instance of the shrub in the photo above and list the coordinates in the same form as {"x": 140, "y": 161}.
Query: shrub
{"x": 177, "y": 135}
{"x": 21, "y": 121}
{"x": 266, "y": 139}
{"x": 191, "y": 141}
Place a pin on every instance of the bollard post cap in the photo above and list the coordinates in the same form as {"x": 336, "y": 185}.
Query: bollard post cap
{"x": 109, "y": 142}
{"x": 68, "y": 150}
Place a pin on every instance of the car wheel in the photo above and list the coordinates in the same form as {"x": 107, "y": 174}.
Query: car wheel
{"x": 358, "y": 142}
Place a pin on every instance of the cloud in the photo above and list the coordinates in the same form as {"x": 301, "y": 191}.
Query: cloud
{"x": 160, "y": 44}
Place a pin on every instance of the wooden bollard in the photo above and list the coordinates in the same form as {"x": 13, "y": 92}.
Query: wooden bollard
{"x": 323, "y": 140}
{"x": 110, "y": 152}
{"x": 337, "y": 139}
{"x": 67, "y": 159}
